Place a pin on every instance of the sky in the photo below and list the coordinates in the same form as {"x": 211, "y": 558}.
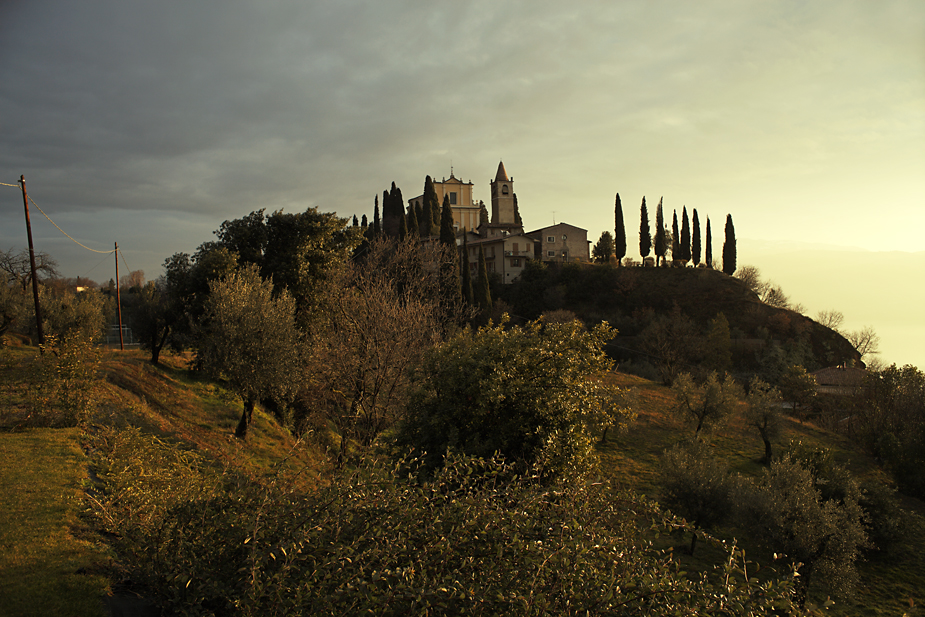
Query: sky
{"x": 150, "y": 123}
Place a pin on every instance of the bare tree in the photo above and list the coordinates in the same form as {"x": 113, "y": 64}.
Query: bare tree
{"x": 379, "y": 317}
{"x": 17, "y": 268}
{"x": 865, "y": 341}
{"x": 830, "y": 319}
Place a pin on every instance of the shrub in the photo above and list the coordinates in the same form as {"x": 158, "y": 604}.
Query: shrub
{"x": 529, "y": 393}
{"x": 478, "y": 538}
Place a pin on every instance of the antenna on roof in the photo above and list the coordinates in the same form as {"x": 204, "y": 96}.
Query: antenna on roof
{"x": 553, "y": 217}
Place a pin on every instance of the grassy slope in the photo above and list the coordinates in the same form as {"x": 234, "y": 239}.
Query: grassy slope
{"x": 888, "y": 582}
{"x": 50, "y": 564}
{"x": 41, "y": 471}
{"x": 43, "y": 561}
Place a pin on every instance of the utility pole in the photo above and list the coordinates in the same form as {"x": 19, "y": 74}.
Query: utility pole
{"x": 35, "y": 280}
{"x": 119, "y": 299}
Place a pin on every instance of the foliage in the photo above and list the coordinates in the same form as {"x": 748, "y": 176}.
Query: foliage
{"x": 86, "y": 313}
{"x": 482, "y": 289}
{"x": 12, "y": 305}
{"x": 696, "y": 486}
{"x": 708, "y": 404}
{"x": 603, "y": 251}
{"x": 672, "y": 342}
{"x": 645, "y": 237}
{"x": 685, "y": 237}
{"x": 619, "y": 232}
{"x": 65, "y": 380}
{"x": 821, "y": 537}
{"x": 729, "y": 247}
{"x": 763, "y": 411}
{"x": 476, "y": 539}
{"x": 797, "y": 387}
{"x": 695, "y": 239}
{"x": 382, "y": 315}
{"x": 708, "y": 249}
{"x": 890, "y": 423}
{"x": 661, "y": 244}
{"x": 531, "y": 394}
{"x": 717, "y": 348}
{"x": 152, "y": 317}
{"x": 249, "y": 338}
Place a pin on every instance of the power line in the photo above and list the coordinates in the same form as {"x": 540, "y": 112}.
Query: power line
{"x": 64, "y": 232}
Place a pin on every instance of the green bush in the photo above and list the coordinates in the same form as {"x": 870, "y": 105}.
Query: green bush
{"x": 529, "y": 393}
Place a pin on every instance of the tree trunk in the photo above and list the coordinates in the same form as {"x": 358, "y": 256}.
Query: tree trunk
{"x": 246, "y": 417}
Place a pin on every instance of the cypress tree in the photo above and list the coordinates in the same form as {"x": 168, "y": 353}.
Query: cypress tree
{"x": 447, "y": 233}
{"x": 356, "y": 221}
{"x": 685, "y": 236}
{"x": 430, "y": 212}
{"x": 388, "y": 229}
{"x": 708, "y": 257}
{"x": 482, "y": 290}
{"x": 419, "y": 215}
{"x": 412, "y": 221}
{"x": 695, "y": 240}
{"x": 483, "y": 215}
{"x": 365, "y": 222}
{"x": 466, "y": 273}
{"x": 645, "y": 238}
{"x": 619, "y": 238}
{"x": 660, "y": 245}
{"x": 729, "y": 247}
{"x": 517, "y": 219}
{"x": 675, "y": 240}
{"x": 377, "y": 223}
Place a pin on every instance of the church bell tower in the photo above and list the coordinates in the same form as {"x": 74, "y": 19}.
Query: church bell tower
{"x": 502, "y": 198}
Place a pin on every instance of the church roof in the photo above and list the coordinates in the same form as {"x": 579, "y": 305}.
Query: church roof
{"x": 502, "y": 174}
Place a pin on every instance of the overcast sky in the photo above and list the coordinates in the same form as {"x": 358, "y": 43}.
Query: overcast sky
{"x": 149, "y": 123}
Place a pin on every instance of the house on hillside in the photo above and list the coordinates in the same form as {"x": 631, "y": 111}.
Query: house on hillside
{"x": 562, "y": 243}
{"x": 840, "y": 380}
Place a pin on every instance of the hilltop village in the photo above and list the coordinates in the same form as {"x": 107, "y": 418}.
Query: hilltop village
{"x": 506, "y": 245}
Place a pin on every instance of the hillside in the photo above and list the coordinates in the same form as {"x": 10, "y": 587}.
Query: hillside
{"x": 631, "y": 298}
{"x": 891, "y": 581}
{"x": 196, "y": 416}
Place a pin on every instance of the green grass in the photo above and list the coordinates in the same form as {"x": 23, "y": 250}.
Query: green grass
{"x": 45, "y": 568}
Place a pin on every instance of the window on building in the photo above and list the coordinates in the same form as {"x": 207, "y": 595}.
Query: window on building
{"x": 515, "y": 262}
{"x": 564, "y": 238}
{"x": 452, "y": 198}
{"x": 504, "y": 189}
{"x": 490, "y": 266}
{"x": 550, "y": 253}
{"x": 551, "y": 239}
{"x": 515, "y": 248}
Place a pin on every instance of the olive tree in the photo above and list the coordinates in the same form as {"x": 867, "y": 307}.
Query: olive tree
{"x": 530, "y": 393}
{"x": 249, "y": 337}
{"x": 821, "y": 535}
{"x": 707, "y": 404}
{"x": 763, "y": 411}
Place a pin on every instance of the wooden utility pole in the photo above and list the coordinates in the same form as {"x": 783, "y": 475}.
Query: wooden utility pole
{"x": 35, "y": 280}
{"x": 119, "y": 299}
